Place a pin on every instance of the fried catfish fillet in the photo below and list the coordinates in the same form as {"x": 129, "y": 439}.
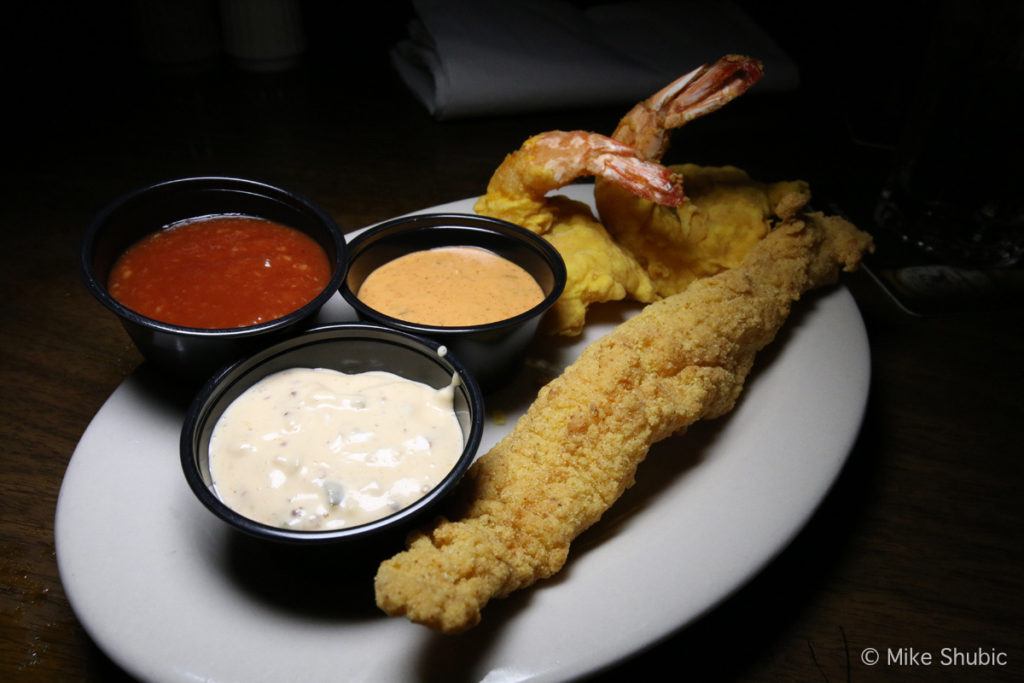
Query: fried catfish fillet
{"x": 576, "y": 450}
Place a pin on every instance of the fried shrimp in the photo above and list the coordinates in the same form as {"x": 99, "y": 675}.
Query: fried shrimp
{"x": 598, "y": 269}
{"x": 725, "y": 215}
{"x": 726, "y": 212}
{"x": 707, "y": 88}
{"x": 576, "y": 450}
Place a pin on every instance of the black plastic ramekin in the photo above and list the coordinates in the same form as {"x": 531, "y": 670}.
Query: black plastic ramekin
{"x": 194, "y": 353}
{"x": 345, "y": 347}
{"x": 491, "y": 351}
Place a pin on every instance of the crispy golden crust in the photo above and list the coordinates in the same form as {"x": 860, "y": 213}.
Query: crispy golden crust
{"x": 577, "y": 448}
{"x": 725, "y": 215}
{"x": 597, "y": 269}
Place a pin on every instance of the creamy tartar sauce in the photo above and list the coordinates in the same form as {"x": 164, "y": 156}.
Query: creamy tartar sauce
{"x": 317, "y": 449}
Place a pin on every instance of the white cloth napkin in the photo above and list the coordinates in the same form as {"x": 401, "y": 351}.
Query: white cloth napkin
{"x": 468, "y": 58}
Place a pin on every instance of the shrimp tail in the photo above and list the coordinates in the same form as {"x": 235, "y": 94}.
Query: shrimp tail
{"x": 702, "y": 91}
{"x": 644, "y": 179}
{"x": 713, "y": 87}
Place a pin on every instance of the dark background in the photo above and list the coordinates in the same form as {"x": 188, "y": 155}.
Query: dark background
{"x": 886, "y": 87}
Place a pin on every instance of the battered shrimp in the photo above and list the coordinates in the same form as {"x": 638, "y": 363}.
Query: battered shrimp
{"x": 576, "y": 449}
{"x": 597, "y": 268}
{"x": 705, "y": 89}
{"x": 726, "y": 212}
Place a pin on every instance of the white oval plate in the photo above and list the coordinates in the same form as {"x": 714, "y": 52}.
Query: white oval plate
{"x": 167, "y": 590}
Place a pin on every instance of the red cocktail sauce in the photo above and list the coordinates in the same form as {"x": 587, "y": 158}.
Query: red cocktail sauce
{"x": 220, "y": 271}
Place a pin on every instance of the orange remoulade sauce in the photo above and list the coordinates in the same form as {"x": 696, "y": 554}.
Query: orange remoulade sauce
{"x": 219, "y": 272}
{"x": 451, "y": 287}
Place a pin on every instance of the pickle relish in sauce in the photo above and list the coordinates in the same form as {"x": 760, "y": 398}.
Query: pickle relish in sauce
{"x": 317, "y": 449}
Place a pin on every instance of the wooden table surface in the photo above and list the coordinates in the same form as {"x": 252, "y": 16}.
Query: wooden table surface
{"x": 917, "y": 545}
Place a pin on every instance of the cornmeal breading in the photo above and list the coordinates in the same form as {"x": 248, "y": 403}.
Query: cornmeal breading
{"x": 577, "y": 448}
